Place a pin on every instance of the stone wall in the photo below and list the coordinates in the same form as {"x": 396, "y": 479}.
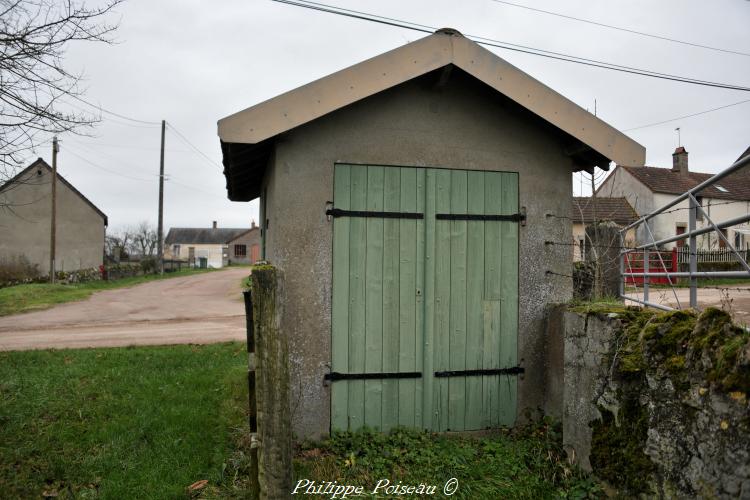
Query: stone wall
{"x": 654, "y": 403}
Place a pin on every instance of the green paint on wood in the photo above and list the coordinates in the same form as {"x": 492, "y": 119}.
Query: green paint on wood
{"x": 424, "y": 295}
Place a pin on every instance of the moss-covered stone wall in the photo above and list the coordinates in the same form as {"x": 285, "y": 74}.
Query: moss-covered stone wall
{"x": 656, "y": 404}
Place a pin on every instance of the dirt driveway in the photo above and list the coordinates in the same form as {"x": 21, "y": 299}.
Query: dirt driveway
{"x": 202, "y": 308}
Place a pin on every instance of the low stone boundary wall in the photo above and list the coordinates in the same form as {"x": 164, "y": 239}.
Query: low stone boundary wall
{"x": 654, "y": 404}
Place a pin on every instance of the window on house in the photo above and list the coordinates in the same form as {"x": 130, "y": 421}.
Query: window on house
{"x": 582, "y": 247}
{"x": 722, "y": 243}
{"x": 240, "y": 250}
{"x": 176, "y": 250}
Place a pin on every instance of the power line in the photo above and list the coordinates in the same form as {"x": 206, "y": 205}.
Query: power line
{"x": 105, "y": 169}
{"x": 618, "y": 28}
{"x": 509, "y": 46}
{"x": 686, "y": 116}
{"x": 198, "y": 151}
{"x": 118, "y": 115}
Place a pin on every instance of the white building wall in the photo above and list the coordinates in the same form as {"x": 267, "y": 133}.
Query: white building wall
{"x": 215, "y": 253}
{"x": 621, "y": 184}
{"x": 665, "y": 225}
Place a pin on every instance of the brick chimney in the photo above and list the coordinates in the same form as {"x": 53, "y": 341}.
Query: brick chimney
{"x": 680, "y": 161}
{"x": 214, "y": 224}
{"x": 252, "y": 224}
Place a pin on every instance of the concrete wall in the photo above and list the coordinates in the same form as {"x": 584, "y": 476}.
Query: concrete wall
{"x": 641, "y": 422}
{"x": 26, "y": 229}
{"x": 463, "y": 125}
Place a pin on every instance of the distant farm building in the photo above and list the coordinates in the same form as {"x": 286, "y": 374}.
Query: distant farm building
{"x": 213, "y": 247}
{"x": 25, "y": 222}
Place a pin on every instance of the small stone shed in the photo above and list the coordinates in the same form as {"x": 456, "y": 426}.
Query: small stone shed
{"x": 407, "y": 200}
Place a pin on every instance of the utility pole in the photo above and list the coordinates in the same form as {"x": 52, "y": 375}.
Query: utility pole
{"x": 160, "y": 236}
{"x": 53, "y": 218}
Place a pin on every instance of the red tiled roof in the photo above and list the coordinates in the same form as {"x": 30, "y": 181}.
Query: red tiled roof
{"x": 664, "y": 180}
{"x": 615, "y": 209}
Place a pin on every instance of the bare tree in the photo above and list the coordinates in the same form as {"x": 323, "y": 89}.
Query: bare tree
{"x": 119, "y": 243}
{"x": 34, "y": 35}
{"x": 145, "y": 239}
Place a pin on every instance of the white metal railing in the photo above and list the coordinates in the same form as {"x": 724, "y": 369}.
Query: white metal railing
{"x": 695, "y": 212}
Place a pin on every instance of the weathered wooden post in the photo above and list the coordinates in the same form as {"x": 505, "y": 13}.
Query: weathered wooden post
{"x": 252, "y": 404}
{"x": 604, "y": 238}
{"x": 271, "y": 385}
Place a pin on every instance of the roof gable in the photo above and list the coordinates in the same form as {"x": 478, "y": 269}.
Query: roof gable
{"x": 40, "y": 163}
{"x": 264, "y": 121}
{"x": 584, "y": 210}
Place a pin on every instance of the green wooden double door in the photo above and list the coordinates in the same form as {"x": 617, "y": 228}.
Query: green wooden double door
{"x": 425, "y": 298}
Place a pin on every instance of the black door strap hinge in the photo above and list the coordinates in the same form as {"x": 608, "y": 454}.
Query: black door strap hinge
{"x": 337, "y": 212}
{"x": 334, "y": 376}
{"x": 492, "y": 371}
{"x": 520, "y": 217}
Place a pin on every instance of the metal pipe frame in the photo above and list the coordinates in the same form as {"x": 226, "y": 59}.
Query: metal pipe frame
{"x": 702, "y": 274}
{"x": 649, "y": 304}
{"x": 697, "y": 232}
{"x": 691, "y": 235}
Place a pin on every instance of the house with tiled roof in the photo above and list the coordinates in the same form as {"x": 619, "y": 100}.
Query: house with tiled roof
{"x": 648, "y": 188}
{"x": 588, "y": 210}
{"x": 213, "y": 246}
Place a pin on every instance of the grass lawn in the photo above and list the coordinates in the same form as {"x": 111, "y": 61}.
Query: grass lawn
{"x": 148, "y": 422}
{"x": 121, "y": 423}
{"x": 23, "y": 298}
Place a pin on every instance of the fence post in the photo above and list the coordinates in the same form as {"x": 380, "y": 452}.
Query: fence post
{"x": 271, "y": 384}
{"x": 693, "y": 254}
{"x": 605, "y": 240}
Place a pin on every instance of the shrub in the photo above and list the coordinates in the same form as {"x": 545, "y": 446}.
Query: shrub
{"x": 148, "y": 265}
{"x": 16, "y": 270}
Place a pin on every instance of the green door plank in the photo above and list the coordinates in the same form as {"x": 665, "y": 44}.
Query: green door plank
{"x": 442, "y": 294}
{"x": 374, "y": 298}
{"x": 429, "y": 411}
{"x": 492, "y": 292}
{"x": 420, "y": 334}
{"x": 474, "y": 293}
{"x": 391, "y": 296}
{"x": 509, "y": 325}
{"x": 457, "y": 334}
{"x": 357, "y": 274}
{"x": 340, "y": 301}
{"x": 407, "y": 298}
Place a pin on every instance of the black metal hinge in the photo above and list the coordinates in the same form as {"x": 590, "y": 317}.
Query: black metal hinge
{"x": 509, "y": 218}
{"x": 337, "y": 212}
{"x": 469, "y": 373}
{"x": 333, "y": 376}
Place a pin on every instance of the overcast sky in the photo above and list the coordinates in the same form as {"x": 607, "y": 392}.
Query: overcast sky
{"x": 194, "y": 62}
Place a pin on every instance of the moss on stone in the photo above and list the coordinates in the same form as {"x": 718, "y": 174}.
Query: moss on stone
{"x": 617, "y": 448}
